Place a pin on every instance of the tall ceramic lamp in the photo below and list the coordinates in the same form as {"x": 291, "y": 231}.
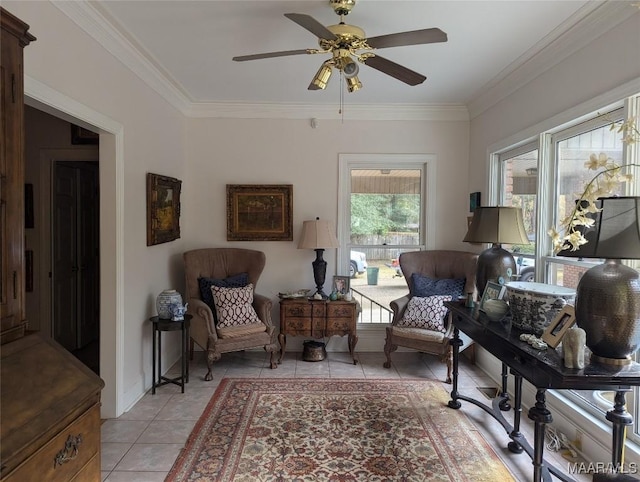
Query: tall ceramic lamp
{"x": 318, "y": 235}
{"x": 496, "y": 225}
{"x": 608, "y": 295}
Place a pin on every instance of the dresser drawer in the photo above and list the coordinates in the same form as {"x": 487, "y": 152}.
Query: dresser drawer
{"x": 302, "y": 326}
{"x": 303, "y": 310}
{"x": 66, "y": 454}
{"x": 341, "y": 310}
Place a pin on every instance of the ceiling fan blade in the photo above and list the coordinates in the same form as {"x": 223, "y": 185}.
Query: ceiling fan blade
{"x": 312, "y": 25}
{"x": 415, "y": 37}
{"x": 397, "y": 71}
{"x": 268, "y": 55}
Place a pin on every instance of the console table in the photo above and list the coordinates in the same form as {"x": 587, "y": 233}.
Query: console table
{"x": 318, "y": 319}
{"x": 544, "y": 369}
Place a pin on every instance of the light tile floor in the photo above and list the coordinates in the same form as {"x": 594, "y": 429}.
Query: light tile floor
{"x": 143, "y": 443}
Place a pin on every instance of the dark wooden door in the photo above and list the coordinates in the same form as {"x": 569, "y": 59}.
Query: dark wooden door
{"x": 76, "y": 259}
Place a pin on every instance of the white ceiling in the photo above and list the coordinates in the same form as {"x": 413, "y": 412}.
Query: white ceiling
{"x": 189, "y": 44}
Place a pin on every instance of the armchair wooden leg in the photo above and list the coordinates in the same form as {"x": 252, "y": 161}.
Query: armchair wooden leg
{"x": 388, "y": 348}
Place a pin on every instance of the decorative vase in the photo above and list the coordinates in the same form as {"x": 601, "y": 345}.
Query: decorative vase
{"x": 164, "y": 302}
{"x": 608, "y": 310}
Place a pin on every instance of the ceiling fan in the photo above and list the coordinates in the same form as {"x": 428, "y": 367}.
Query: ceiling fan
{"x": 348, "y": 42}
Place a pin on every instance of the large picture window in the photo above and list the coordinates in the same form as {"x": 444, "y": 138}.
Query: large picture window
{"x": 544, "y": 177}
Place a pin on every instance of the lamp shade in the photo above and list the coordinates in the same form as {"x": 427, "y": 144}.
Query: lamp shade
{"x": 615, "y": 233}
{"x": 497, "y": 224}
{"x": 318, "y": 234}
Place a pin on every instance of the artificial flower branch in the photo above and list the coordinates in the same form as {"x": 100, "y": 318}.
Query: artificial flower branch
{"x": 572, "y": 238}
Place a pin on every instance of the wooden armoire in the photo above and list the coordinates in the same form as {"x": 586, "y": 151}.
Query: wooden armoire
{"x": 49, "y": 401}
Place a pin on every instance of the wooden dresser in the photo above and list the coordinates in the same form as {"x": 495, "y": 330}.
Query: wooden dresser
{"x": 50, "y": 414}
{"x": 49, "y": 401}
{"x": 318, "y": 319}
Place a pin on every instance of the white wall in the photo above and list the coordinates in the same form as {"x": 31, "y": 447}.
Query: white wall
{"x": 236, "y": 151}
{"x": 68, "y": 72}
{"x": 78, "y": 75}
{"x": 603, "y": 72}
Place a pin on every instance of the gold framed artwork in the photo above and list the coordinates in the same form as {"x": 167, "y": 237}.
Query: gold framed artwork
{"x": 564, "y": 320}
{"x": 259, "y": 212}
{"x": 163, "y": 209}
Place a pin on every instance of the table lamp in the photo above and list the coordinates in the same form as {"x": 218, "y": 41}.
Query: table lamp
{"x": 608, "y": 295}
{"x": 318, "y": 235}
{"x": 496, "y": 225}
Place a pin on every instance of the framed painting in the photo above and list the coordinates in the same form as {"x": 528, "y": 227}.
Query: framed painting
{"x": 80, "y": 135}
{"x": 474, "y": 201}
{"x": 259, "y": 212}
{"x": 163, "y": 209}
{"x": 564, "y": 320}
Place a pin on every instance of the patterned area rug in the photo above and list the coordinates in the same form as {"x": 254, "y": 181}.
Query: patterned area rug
{"x": 335, "y": 430}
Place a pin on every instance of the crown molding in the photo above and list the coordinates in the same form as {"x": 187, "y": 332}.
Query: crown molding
{"x": 95, "y": 22}
{"x": 89, "y": 18}
{"x": 386, "y": 112}
{"x": 591, "y": 21}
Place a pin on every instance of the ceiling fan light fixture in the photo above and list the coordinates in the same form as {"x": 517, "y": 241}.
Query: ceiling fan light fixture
{"x": 353, "y": 83}
{"x": 350, "y": 68}
{"x": 321, "y": 79}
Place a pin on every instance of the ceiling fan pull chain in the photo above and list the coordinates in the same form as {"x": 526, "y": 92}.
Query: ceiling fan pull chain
{"x": 341, "y": 111}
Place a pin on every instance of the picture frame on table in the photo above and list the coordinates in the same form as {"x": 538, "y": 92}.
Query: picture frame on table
{"x": 562, "y": 322}
{"x": 259, "y": 212}
{"x": 492, "y": 291}
{"x": 163, "y": 209}
{"x": 341, "y": 284}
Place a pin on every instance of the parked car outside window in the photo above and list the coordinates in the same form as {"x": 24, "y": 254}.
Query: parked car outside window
{"x": 526, "y": 268}
{"x": 358, "y": 264}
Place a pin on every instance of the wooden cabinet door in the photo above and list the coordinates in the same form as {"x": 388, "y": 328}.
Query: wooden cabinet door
{"x": 14, "y": 37}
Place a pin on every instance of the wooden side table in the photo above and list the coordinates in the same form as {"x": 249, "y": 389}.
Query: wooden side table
{"x": 159, "y": 325}
{"x": 318, "y": 319}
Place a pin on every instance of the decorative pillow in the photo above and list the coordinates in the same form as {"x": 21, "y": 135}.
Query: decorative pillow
{"x": 425, "y": 286}
{"x": 426, "y": 312}
{"x": 236, "y": 281}
{"x": 234, "y": 306}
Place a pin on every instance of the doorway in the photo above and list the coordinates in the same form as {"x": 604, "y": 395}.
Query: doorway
{"x": 63, "y": 296}
{"x": 75, "y": 247}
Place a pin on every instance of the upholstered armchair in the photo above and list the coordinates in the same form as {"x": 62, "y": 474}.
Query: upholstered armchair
{"x": 231, "y": 274}
{"x": 442, "y": 275}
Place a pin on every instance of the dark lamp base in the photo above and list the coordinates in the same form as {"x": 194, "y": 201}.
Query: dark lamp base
{"x": 611, "y": 361}
{"x": 493, "y": 264}
{"x": 319, "y": 273}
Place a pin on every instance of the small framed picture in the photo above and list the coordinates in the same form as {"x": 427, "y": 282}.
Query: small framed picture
{"x": 564, "y": 320}
{"x": 492, "y": 291}
{"x": 474, "y": 201}
{"x": 341, "y": 284}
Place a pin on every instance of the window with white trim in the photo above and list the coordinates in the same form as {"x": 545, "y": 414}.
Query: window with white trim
{"x": 555, "y": 160}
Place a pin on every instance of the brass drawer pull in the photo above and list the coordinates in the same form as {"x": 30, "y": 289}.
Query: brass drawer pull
{"x": 69, "y": 452}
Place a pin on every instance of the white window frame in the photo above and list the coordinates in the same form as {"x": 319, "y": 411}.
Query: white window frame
{"x": 546, "y": 217}
{"x": 424, "y": 162}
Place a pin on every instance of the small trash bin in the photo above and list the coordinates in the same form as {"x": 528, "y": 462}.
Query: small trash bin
{"x": 372, "y": 275}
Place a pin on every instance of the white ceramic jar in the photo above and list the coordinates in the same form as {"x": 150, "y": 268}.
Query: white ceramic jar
{"x": 164, "y": 302}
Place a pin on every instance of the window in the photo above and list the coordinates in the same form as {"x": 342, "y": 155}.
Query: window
{"x": 518, "y": 170}
{"x": 383, "y": 211}
{"x": 544, "y": 177}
